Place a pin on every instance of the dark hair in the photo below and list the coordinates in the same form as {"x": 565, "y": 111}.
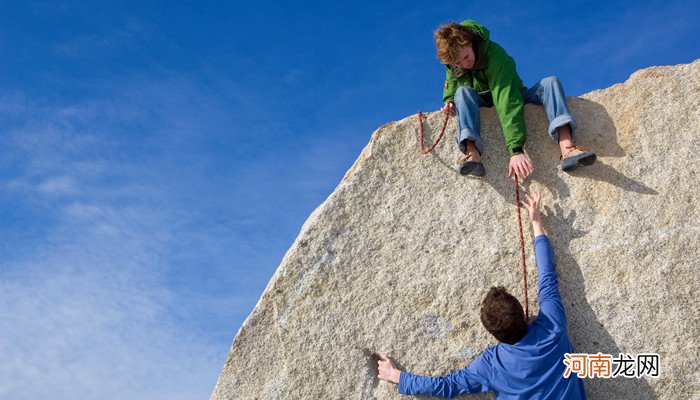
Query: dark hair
{"x": 503, "y": 316}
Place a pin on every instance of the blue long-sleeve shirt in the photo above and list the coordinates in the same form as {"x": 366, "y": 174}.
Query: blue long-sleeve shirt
{"x": 532, "y": 368}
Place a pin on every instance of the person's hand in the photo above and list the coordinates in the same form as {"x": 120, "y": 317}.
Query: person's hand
{"x": 387, "y": 369}
{"x": 533, "y": 208}
{"x": 449, "y": 109}
{"x": 520, "y": 164}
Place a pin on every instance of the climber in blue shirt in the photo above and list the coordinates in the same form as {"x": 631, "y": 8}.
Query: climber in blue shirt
{"x": 527, "y": 363}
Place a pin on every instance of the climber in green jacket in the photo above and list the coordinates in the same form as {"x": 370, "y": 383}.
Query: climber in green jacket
{"x": 481, "y": 74}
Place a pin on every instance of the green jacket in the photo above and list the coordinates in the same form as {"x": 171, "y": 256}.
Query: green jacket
{"x": 494, "y": 77}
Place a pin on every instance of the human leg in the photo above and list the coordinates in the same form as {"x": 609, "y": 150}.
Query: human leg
{"x": 467, "y": 103}
{"x": 565, "y": 138}
{"x": 549, "y": 93}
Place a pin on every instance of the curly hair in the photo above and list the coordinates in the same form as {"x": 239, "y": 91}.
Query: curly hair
{"x": 449, "y": 38}
{"x": 503, "y": 316}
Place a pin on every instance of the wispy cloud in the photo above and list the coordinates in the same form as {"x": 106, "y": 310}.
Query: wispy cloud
{"x": 58, "y": 185}
{"x": 90, "y": 312}
{"x": 148, "y": 217}
{"x": 87, "y": 316}
{"x": 124, "y": 35}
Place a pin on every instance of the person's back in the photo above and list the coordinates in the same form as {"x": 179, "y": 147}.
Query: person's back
{"x": 528, "y": 361}
{"x": 533, "y": 367}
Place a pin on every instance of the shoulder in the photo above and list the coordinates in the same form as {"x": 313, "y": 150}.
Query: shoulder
{"x": 546, "y": 327}
{"x": 488, "y": 355}
{"x": 495, "y": 50}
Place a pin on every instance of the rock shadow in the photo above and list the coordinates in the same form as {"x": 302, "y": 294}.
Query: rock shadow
{"x": 605, "y": 173}
{"x": 587, "y": 333}
{"x": 596, "y": 131}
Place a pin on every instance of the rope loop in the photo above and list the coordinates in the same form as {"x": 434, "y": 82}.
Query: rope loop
{"x": 423, "y": 150}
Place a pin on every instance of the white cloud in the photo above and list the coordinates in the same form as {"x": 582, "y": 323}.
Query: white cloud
{"x": 129, "y": 203}
{"x": 89, "y": 313}
{"x": 89, "y": 318}
{"x": 57, "y": 185}
{"x": 123, "y": 37}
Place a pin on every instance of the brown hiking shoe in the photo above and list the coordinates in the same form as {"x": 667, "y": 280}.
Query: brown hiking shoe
{"x": 471, "y": 165}
{"x": 575, "y": 157}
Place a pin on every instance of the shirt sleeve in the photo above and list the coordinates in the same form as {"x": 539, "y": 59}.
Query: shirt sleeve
{"x": 551, "y": 305}
{"x": 505, "y": 87}
{"x": 450, "y": 87}
{"x": 474, "y": 378}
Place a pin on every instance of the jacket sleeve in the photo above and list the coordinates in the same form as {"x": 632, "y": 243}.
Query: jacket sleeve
{"x": 450, "y": 87}
{"x": 474, "y": 378}
{"x": 551, "y": 306}
{"x": 505, "y": 88}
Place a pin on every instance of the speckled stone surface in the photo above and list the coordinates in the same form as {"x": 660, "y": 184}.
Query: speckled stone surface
{"x": 399, "y": 256}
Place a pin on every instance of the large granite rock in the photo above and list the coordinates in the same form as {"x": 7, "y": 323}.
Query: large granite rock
{"x": 399, "y": 256}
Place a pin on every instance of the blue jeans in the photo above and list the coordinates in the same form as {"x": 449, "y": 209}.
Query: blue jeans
{"x": 548, "y": 93}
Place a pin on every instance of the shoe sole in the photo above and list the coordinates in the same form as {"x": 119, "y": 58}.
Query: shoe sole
{"x": 472, "y": 168}
{"x": 583, "y": 159}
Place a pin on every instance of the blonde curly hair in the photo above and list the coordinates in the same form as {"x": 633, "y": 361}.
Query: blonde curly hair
{"x": 449, "y": 38}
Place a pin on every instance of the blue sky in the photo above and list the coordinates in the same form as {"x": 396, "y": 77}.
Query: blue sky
{"x": 157, "y": 159}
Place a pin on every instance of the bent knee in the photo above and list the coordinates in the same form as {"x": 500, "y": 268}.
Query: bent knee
{"x": 465, "y": 92}
{"x": 551, "y": 81}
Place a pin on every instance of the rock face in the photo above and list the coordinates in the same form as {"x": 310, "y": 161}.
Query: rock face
{"x": 399, "y": 257}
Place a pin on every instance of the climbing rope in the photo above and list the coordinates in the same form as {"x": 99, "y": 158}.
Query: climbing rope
{"x": 522, "y": 244}
{"x": 423, "y": 150}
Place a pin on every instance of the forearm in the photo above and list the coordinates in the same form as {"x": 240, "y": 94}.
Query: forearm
{"x": 511, "y": 113}
{"x": 464, "y": 381}
{"x": 547, "y": 276}
{"x": 443, "y": 387}
{"x": 549, "y": 297}
{"x": 395, "y": 376}
{"x": 537, "y": 228}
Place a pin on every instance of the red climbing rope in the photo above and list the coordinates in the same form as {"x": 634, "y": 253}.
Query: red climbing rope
{"x": 522, "y": 244}
{"x": 423, "y": 150}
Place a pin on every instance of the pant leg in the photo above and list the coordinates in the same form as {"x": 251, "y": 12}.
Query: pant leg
{"x": 549, "y": 93}
{"x": 467, "y": 103}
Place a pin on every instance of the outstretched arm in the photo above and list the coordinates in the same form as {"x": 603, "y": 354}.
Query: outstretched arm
{"x": 549, "y": 298}
{"x": 505, "y": 89}
{"x": 467, "y": 380}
